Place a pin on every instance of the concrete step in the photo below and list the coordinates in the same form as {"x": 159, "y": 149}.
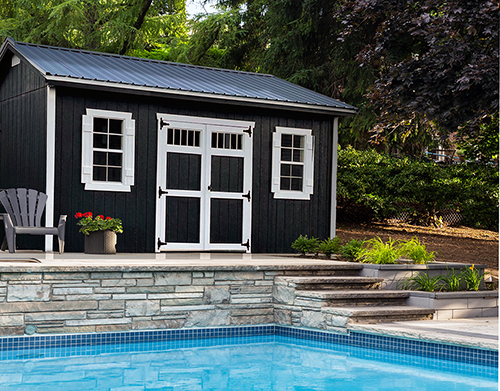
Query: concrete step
{"x": 316, "y": 283}
{"x": 336, "y": 269}
{"x": 380, "y": 314}
{"x": 350, "y": 298}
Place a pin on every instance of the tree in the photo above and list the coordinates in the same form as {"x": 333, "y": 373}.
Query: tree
{"x": 437, "y": 63}
{"x": 108, "y": 25}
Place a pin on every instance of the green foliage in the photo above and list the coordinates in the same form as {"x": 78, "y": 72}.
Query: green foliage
{"x": 452, "y": 281}
{"x": 330, "y": 246}
{"x": 305, "y": 245}
{"x": 424, "y": 190}
{"x": 422, "y": 282}
{"x": 378, "y": 252}
{"x": 90, "y": 224}
{"x": 416, "y": 251}
{"x": 352, "y": 249}
{"x": 107, "y": 26}
{"x": 473, "y": 278}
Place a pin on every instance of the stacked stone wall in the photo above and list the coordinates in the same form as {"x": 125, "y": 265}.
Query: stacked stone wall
{"x": 63, "y": 302}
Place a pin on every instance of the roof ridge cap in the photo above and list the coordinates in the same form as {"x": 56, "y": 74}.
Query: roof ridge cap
{"x": 150, "y": 60}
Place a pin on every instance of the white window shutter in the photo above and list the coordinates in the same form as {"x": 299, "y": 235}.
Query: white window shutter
{"x": 87, "y": 128}
{"x": 309, "y": 176}
{"x": 275, "y": 172}
{"x": 129, "y": 157}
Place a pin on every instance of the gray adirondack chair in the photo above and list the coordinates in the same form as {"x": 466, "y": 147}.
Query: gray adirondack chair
{"x": 24, "y": 209}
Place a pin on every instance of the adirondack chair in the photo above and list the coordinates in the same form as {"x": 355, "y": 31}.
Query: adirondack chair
{"x": 24, "y": 209}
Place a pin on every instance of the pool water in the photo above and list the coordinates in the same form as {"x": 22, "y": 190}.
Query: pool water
{"x": 239, "y": 363}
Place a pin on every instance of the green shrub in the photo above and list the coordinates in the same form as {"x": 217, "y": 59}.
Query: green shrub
{"x": 330, "y": 246}
{"x": 416, "y": 251}
{"x": 376, "y": 251}
{"x": 425, "y": 190}
{"x": 352, "y": 249}
{"x": 305, "y": 245}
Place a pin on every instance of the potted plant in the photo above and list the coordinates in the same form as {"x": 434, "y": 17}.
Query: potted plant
{"x": 100, "y": 233}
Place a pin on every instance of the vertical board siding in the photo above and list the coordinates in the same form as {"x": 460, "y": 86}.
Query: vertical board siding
{"x": 275, "y": 223}
{"x": 23, "y": 136}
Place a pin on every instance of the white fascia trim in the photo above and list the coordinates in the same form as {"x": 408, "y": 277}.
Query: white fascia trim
{"x": 333, "y": 203}
{"x": 50, "y": 164}
{"x": 205, "y": 121}
{"x": 166, "y": 91}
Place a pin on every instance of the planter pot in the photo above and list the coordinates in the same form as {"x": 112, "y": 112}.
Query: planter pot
{"x": 100, "y": 242}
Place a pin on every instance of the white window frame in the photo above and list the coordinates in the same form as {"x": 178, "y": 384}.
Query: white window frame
{"x": 128, "y": 151}
{"x": 308, "y": 178}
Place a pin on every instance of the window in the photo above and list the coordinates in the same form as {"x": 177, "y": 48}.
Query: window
{"x": 108, "y": 150}
{"x": 293, "y": 162}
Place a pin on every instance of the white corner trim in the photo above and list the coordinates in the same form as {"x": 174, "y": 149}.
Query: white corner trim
{"x": 50, "y": 164}
{"x": 333, "y": 204}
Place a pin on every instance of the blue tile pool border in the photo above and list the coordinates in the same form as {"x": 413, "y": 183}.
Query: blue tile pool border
{"x": 466, "y": 355}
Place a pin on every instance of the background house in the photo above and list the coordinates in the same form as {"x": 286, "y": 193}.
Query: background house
{"x": 190, "y": 158}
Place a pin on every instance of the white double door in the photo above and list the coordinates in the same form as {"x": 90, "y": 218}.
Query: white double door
{"x": 204, "y": 184}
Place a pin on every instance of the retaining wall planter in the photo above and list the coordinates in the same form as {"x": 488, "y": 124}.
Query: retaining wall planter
{"x": 394, "y": 273}
{"x": 457, "y": 305}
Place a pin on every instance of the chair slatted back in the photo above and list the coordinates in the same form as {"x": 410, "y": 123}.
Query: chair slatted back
{"x": 24, "y": 206}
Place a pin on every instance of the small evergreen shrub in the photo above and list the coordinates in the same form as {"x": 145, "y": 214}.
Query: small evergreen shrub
{"x": 305, "y": 245}
{"x": 352, "y": 249}
{"x": 330, "y": 246}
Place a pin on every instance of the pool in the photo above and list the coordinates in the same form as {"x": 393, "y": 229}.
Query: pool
{"x": 240, "y": 358}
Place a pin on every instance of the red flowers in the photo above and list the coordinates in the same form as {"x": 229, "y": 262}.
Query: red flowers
{"x": 108, "y": 218}
{"x": 86, "y": 214}
{"x": 78, "y": 215}
{"x": 101, "y": 217}
{"x": 90, "y": 224}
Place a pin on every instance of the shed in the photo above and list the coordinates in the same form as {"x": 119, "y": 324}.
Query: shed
{"x": 190, "y": 158}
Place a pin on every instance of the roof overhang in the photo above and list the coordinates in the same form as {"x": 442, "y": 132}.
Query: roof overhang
{"x": 199, "y": 96}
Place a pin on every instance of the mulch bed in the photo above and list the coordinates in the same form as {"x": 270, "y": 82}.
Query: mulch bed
{"x": 451, "y": 244}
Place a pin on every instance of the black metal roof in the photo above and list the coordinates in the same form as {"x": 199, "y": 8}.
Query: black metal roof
{"x": 86, "y": 67}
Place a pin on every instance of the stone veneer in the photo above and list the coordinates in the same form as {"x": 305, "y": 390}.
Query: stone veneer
{"x": 103, "y": 301}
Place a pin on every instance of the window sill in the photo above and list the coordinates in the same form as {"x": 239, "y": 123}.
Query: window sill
{"x": 107, "y": 186}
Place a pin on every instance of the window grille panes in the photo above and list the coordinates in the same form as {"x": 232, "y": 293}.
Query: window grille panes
{"x": 107, "y": 160}
{"x": 227, "y": 140}
{"x": 292, "y": 158}
{"x": 183, "y": 137}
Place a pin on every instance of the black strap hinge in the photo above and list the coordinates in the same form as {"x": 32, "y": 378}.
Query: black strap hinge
{"x": 246, "y": 244}
{"x": 249, "y": 131}
{"x": 160, "y": 243}
{"x": 247, "y": 196}
{"x": 161, "y": 192}
{"x": 163, "y": 123}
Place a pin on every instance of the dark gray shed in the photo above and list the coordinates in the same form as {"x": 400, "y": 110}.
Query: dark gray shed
{"x": 190, "y": 158}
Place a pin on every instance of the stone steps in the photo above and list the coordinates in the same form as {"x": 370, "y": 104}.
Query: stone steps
{"x": 349, "y": 298}
{"x": 333, "y": 302}
{"x": 381, "y": 314}
{"x": 329, "y": 283}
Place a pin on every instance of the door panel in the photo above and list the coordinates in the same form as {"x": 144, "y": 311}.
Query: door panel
{"x": 226, "y": 221}
{"x": 183, "y": 220}
{"x": 183, "y": 171}
{"x": 227, "y": 174}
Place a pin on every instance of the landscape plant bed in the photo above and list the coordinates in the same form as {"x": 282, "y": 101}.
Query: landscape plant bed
{"x": 456, "y": 305}
{"x": 393, "y": 274}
